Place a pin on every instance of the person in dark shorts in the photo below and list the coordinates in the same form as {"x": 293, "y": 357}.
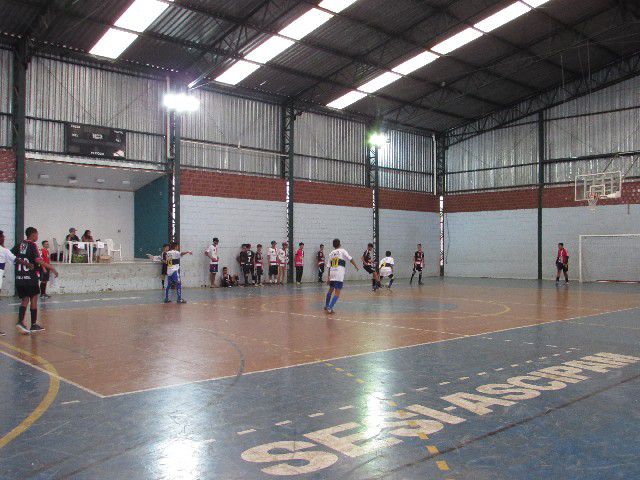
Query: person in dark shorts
{"x": 418, "y": 264}
{"x": 321, "y": 260}
{"x": 251, "y": 258}
{"x": 28, "y": 280}
{"x": 243, "y": 260}
{"x": 44, "y": 273}
{"x": 562, "y": 263}
{"x": 299, "y": 262}
{"x": 369, "y": 266}
{"x": 258, "y": 264}
{"x": 228, "y": 280}
{"x": 272, "y": 257}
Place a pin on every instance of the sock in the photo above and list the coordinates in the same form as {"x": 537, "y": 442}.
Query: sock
{"x": 390, "y": 282}
{"x": 419, "y": 278}
{"x": 557, "y": 279}
{"x": 333, "y": 302}
{"x": 22, "y": 312}
{"x": 412, "y": 275}
{"x": 166, "y": 292}
{"x": 373, "y": 282}
{"x": 34, "y": 317}
{"x": 328, "y": 299}
{"x": 162, "y": 284}
{"x": 179, "y": 290}
{"x": 43, "y": 288}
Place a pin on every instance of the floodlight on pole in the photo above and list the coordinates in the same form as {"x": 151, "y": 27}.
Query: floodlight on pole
{"x": 181, "y": 102}
{"x": 378, "y": 139}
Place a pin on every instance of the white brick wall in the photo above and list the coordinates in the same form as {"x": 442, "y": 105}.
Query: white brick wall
{"x": 234, "y": 222}
{"x": 401, "y": 231}
{"x": 567, "y": 224}
{"x": 316, "y": 224}
{"x": 500, "y": 244}
{"x": 7, "y": 224}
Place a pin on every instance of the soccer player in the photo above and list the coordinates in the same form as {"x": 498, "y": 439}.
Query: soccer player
{"x": 320, "y": 257}
{"x": 562, "y": 263}
{"x": 337, "y": 262}
{"x": 299, "y": 262}
{"x": 418, "y": 264}
{"x": 212, "y": 253}
{"x": 251, "y": 257}
{"x": 386, "y": 268}
{"x": 272, "y": 257}
{"x": 28, "y": 265}
{"x": 282, "y": 262}
{"x": 44, "y": 273}
{"x": 162, "y": 258}
{"x": 6, "y": 256}
{"x": 173, "y": 271}
{"x": 369, "y": 266}
{"x": 228, "y": 280}
{"x": 258, "y": 264}
{"x": 243, "y": 260}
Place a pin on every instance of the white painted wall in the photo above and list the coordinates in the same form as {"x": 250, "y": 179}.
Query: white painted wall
{"x": 315, "y": 224}
{"x": 498, "y": 244}
{"x": 7, "y": 225}
{"x": 567, "y": 224}
{"x": 401, "y": 231}
{"x": 234, "y": 221}
{"x": 107, "y": 213}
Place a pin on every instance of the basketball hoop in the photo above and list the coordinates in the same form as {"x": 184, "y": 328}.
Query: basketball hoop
{"x": 592, "y": 201}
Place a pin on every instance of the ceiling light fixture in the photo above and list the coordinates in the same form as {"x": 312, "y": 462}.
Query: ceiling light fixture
{"x": 347, "y": 99}
{"x": 502, "y": 17}
{"x": 415, "y": 63}
{"x": 181, "y": 102}
{"x": 466, "y": 36}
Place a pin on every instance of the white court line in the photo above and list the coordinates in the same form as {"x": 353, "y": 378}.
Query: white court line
{"x": 84, "y": 300}
{"x": 314, "y": 415}
{"x": 280, "y": 424}
{"x": 346, "y": 407}
{"x": 374, "y": 352}
{"x": 398, "y": 394}
{"x": 70, "y": 402}
{"x": 245, "y": 432}
{"x": 444, "y": 383}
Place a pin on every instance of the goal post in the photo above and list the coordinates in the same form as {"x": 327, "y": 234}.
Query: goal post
{"x": 612, "y": 258}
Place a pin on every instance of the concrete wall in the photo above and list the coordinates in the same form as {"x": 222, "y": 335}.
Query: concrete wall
{"x": 118, "y": 277}
{"x": 107, "y": 213}
{"x": 7, "y": 212}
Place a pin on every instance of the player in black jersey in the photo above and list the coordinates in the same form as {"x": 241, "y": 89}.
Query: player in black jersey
{"x": 243, "y": 260}
{"x": 369, "y": 266}
{"x": 258, "y": 264}
{"x": 251, "y": 257}
{"x": 28, "y": 269}
{"x": 321, "y": 261}
{"x": 418, "y": 264}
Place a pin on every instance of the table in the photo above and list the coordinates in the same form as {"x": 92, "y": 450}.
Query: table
{"x": 82, "y": 245}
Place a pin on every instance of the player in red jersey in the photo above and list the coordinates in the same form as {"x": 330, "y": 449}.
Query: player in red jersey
{"x": 562, "y": 263}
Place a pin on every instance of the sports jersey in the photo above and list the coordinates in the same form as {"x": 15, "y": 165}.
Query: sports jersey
{"x": 282, "y": 256}
{"x": 320, "y": 257}
{"x": 272, "y": 255}
{"x": 563, "y": 256}
{"x": 258, "y": 260}
{"x": 250, "y": 256}
{"x": 299, "y": 258}
{"x": 173, "y": 261}
{"x": 418, "y": 258}
{"x": 386, "y": 266}
{"x": 29, "y": 252}
{"x": 367, "y": 257}
{"x": 212, "y": 251}
{"x": 337, "y": 263}
{"x": 6, "y": 257}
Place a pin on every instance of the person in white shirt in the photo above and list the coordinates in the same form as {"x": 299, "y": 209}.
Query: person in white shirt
{"x": 337, "y": 264}
{"x": 173, "y": 271}
{"x": 282, "y": 262}
{"x": 386, "y": 268}
{"x": 212, "y": 253}
{"x": 272, "y": 257}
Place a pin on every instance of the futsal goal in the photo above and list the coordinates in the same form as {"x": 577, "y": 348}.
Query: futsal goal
{"x": 609, "y": 258}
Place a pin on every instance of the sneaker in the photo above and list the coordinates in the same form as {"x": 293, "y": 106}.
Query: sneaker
{"x": 330, "y": 311}
{"x": 166, "y": 300}
{"x": 326, "y": 308}
{"x": 182, "y": 301}
{"x": 35, "y": 328}
{"x": 2, "y": 334}
{"x": 22, "y": 328}
{"x": 420, "y": 283}
{"x": 46, "y": 295}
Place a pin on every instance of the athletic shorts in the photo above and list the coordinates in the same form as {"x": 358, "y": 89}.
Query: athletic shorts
{"x": 562, "y": 266}
{"x": 417, "y": 267}
{"x": 259, "y": 270}
{"x": 1, "y": 278}
{"x": 44, "y": 276}
{"x": 27, "y": 291}
{"x": 246, "y": 269}
{"x": 273, "y": 270}
{"x": 336, "y": 285}
{"x": 386, "y": 272}
{"x": 164, "y": 269}
{"x": 213, "y": 268}
{"x": 368, "y": 268}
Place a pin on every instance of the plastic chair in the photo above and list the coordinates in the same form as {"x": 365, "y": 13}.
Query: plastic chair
{"x": 59, "y": 250}
{"x": 111, "y": 247}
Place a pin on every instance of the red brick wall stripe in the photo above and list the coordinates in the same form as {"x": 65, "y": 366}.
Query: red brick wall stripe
{"x": 558, "y": 197}
{"x": 7, "y": 165}
{"x": 332, "y": 194}
{"x": 215, "y": 184}
{"x": 412, "y": 201}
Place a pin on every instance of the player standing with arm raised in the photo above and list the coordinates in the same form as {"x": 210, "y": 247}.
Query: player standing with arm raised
{"x": 562, "y": 263}
{"x": 173, "y": 271}
{"x": 337, "y": 262}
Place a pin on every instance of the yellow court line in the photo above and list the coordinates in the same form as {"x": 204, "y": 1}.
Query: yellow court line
{"x": 45, "y": 403}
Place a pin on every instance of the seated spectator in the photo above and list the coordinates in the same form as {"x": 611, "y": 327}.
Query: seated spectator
{"x": 228, "y": 280}
{"x": 72, "y": 237}
{"x": 88, "y": 237}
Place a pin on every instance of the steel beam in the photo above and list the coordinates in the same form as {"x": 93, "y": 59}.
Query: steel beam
{"x": 21, "y": 59}
{"x": 288, "y": 174}
{"x": 542, "y": 152}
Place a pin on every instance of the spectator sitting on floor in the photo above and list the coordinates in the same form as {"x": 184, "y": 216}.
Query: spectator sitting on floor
{"x": 228, "y": 280}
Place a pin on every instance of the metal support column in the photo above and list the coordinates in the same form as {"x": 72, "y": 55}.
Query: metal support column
{"x": 441, "y": 143}
{"x": 374, "y": 184}
{"x": 287, "y": 169}
{"x": 541, "y": 157}
{"x": 21, "y": 61}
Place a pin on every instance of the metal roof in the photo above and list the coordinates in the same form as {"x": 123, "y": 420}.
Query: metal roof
{"x": 562, "y": 41}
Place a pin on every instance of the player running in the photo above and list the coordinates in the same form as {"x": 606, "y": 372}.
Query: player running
{"x": 337, "y": 263}
{"x": 173, "y": 271}
{"x": 386, "y": 268}
{"x": 562, "y": 263}
{"x": 369, "y": 266}
{"x": 418, "y": 264}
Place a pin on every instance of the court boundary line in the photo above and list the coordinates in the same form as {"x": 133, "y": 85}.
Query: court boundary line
{"x": 315, "y": 362}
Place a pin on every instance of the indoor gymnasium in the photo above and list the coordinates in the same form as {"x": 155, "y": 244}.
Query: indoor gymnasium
{"x": 319, "y": 239}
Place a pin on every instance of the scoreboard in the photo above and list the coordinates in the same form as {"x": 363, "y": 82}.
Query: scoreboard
{"x": 91, "y": 141}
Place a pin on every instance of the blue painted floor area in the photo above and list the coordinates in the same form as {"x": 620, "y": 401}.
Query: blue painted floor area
{"x": 351, "y": 418}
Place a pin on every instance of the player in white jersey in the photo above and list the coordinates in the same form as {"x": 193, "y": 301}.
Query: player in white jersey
{"x": 337, "y": 264}
{"x": 6, "y": 258}
{"x": 386, "y": 268}
{"x": 272, "y": 258}
{"x": 173, "y": 271}
{"x": 212, "y": 253}
{"x": 283, "y": 260}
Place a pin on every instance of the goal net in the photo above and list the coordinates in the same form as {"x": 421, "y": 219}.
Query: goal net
{"x": 613, "y": 258}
